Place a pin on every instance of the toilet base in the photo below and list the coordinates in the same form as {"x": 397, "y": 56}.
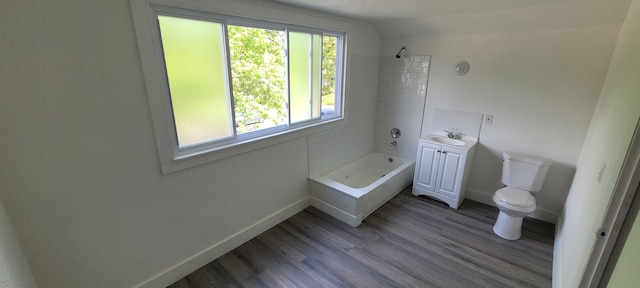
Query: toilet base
{"x": 508, "y": 227}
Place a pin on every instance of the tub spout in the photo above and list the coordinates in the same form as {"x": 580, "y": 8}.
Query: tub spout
{"x": 393, "y": 143}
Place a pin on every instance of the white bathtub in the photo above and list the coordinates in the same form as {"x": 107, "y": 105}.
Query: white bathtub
{"x": 351, "y": 192}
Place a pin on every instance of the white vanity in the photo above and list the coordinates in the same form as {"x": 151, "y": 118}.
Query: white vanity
{"x": 442, "y": 167}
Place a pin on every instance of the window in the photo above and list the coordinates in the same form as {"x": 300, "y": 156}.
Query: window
{"x": 230, "y": 80}
{"x": 221, "y": 85}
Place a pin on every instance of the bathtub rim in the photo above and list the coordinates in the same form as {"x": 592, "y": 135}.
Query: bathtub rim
{"x": 360, "y": 192}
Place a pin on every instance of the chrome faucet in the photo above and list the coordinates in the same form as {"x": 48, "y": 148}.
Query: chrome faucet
{"x": 453, "y": 134}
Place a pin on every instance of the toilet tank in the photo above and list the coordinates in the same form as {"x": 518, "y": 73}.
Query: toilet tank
{"x": 526, "y": 172}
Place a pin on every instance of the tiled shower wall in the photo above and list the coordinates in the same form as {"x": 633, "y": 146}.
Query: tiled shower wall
{"x": 396, "y": 101}
{"x": 402, "y": 88}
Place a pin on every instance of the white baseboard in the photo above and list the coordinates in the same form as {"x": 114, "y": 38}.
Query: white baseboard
{"x": 178, "y": 271}
{"x": 544, "y": 215}
{"x": 541, "y": 213}
{"x": 556, "y": 274}
{"x": 481, "y": 197}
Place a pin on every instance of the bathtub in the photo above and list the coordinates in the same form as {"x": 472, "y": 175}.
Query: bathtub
{"x": 351, "y": 192}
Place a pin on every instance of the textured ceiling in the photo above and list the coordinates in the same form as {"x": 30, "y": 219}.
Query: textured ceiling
{"x": 394, "y": 9}
{"x": 468, "y": 16}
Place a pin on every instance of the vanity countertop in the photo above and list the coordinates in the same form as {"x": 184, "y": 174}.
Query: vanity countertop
{"x": 463, "y": 143}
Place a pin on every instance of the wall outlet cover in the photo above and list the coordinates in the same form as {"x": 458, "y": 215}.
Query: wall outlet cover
{"x": 601, "y": 172}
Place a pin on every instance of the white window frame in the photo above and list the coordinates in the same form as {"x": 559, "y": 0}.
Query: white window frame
{"x": 172, "y": 158}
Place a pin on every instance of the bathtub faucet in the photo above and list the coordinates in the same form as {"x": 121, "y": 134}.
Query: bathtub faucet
{"x": 393, "y": 143}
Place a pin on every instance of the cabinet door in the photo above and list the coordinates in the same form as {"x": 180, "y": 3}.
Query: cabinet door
{"x": 451, "y": 169}
{"x": 427, "y": 168}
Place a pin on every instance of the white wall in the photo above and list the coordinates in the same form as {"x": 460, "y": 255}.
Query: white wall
{"x": 541, "y": 87}
{"x": 14, "y": 269}
{"x": 81, "y": 179}
{"x": 607, "y": 141}
{"x": 625, "y": 274}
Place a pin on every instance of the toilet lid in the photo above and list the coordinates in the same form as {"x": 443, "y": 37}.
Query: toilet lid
{"x": 515, "y": 197}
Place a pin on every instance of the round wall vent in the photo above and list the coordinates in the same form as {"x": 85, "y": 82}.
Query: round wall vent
{"x": 462, "y": 68}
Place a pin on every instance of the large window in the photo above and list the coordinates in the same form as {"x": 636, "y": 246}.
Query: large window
{"x": 229, "y": 80}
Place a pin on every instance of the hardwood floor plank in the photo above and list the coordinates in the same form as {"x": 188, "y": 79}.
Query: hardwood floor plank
{"x": 321, "y": 273}
{"x": 427, "y": 270}
{"x": 515, "y": 257}
{"x": 273, "y": 278}
{"x": 300, "y": 278}
{"x": 284, "y": 234}
{"x": 444, "y": 258}
{"x": 334, "y": 257}
{"x": 494, "y": 268}
{"x": 408, "y": 242}
{"x": 259, "y": 256}
{"x": 251, "y": 281}
{"x": 425, "y": 250}
{"x": 387, "y": 269}
{"x": 237, "y": 269}
{"x": 354, "y": 273}
{"x": 277, "y": 244}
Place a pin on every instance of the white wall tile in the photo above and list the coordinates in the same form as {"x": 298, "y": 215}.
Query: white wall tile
{"x": 400, "y": 104}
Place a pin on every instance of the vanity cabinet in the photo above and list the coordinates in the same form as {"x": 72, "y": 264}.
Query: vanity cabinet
{"x": 441, "y": 172}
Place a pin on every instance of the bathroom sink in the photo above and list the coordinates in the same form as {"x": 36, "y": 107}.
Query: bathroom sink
{"x": 449, "y": 141}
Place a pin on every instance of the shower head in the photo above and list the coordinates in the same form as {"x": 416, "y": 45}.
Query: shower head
{"x": 401, "y": 52}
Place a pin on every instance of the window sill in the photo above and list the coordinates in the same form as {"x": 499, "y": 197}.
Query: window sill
{"x": 176, "y": 164}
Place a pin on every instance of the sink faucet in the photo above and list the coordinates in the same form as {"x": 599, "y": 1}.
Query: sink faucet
{"x": 453, "y": 134}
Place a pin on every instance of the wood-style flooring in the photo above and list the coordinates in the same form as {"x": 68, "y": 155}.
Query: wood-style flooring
{"x": 408, "y": 242}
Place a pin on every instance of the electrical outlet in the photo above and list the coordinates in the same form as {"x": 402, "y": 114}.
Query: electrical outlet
{"x": 488, "y": 119}
{"x": 604, "y": 166}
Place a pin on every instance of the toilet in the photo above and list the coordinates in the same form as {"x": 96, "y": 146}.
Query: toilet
{"x": 523, "y": 176}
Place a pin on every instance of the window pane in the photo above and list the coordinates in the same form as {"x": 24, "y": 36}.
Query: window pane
{"x": 316, "y": 76}
{"x": 259, "y": 77}
{"x": 196, "y": 71}
{"x": 329, "y": 73}
{"x": 300, "y": 85}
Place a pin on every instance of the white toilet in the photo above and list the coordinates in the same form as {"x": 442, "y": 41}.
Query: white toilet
{"x": 523, "y": 174}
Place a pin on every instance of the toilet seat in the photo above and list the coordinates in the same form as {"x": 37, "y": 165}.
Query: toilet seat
{"x": 515, "y": 197}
